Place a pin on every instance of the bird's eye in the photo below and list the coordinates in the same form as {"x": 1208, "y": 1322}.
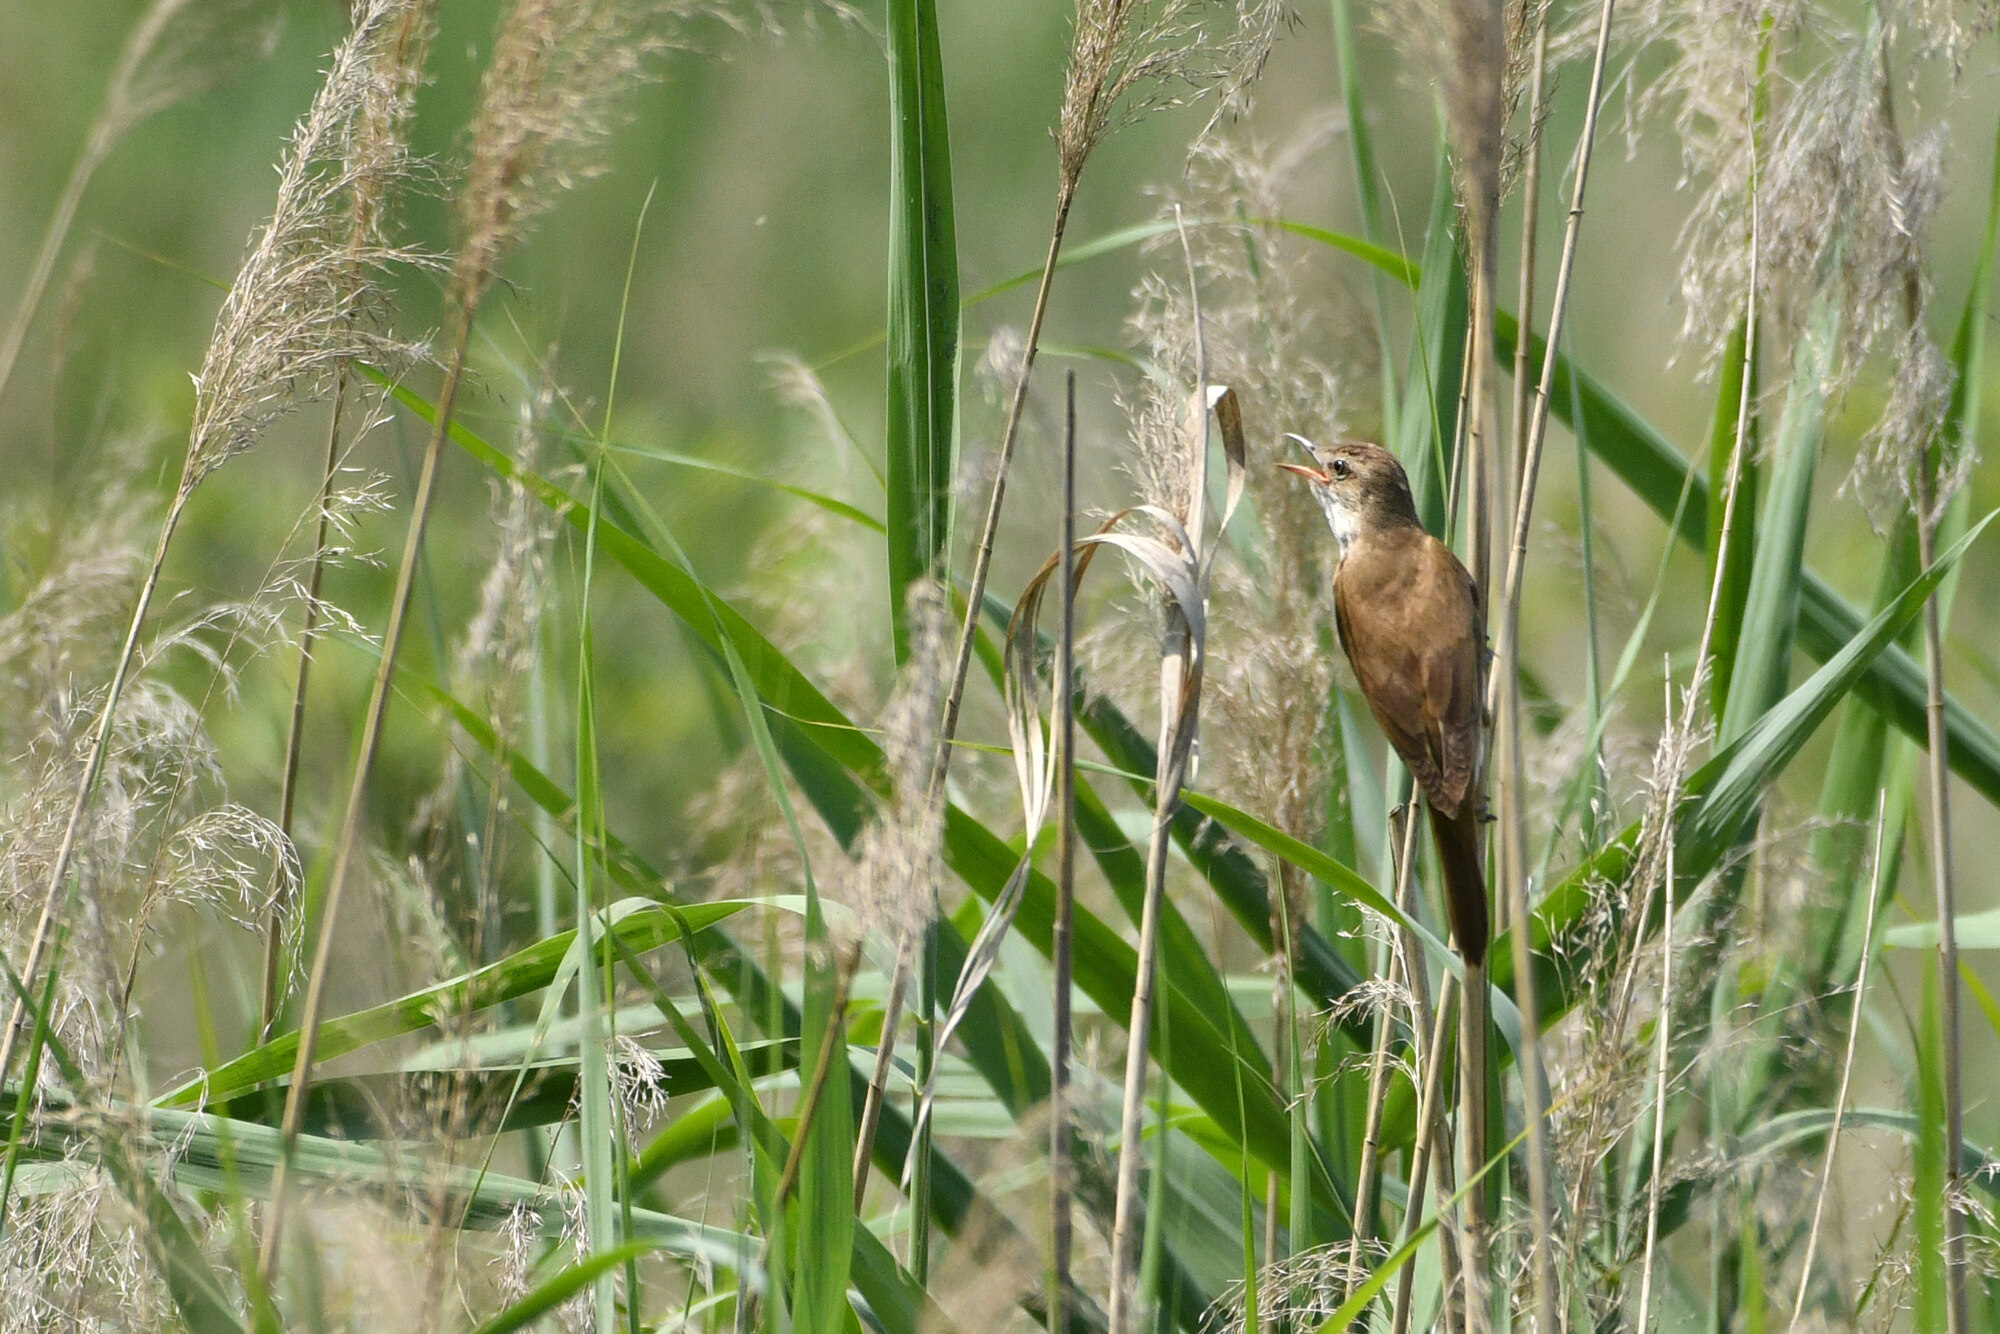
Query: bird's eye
{"x": 1340, "y": 467}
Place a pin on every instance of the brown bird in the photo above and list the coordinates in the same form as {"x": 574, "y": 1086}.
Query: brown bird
{"x": 1409, "y": 618}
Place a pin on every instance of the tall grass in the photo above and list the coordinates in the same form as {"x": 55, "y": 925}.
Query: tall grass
{"x": 1182, "y": 1048}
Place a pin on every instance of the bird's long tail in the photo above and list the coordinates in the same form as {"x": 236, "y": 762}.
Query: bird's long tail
{"x": 1465, "y": 896}
{"x": 1464, "y": 883}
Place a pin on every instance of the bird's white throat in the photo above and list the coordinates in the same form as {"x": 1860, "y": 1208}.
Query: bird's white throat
{"x": 1346, "y": 524}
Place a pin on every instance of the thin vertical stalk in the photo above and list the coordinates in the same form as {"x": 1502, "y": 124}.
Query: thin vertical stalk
{"x": 833, "y": 1050}
{"x": 1928, "y": 461}
{"x": 357, "y": 792}
{"x": 288, "y": 792}
{"x": 1846, "y": 1061}
{"x": 1430, "y": 1144}
{"x": 1061, "y": 1237}
{"x": 593, "y": 989}
{"x": 1565, "y": 271}
{"x": 1180, "y": 694}
{"x": 1957, "y": 1312}
{"x": 878, "y": 1078}
{"x": 1139, "y": 1033}
{"x": 1664, "y": 1026}
{"x": 1368, "y": 1178}
{"x": 982, "y": 558}
{"x": 1504, "y": 690}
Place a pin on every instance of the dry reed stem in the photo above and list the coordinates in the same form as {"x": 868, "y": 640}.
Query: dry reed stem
{"x": 1175, "y": 657}
{"x": 1846, "y": 1060}
{"x": 878, "y": 1078}
{"x": 1504, "y": 688}
{"x": 1370, "y": 1171}
{"x": 982, "y": 558}
{"x": 1957, "y": 1306}
{"x": 357, "y": 794}
{"x": 1531, "y": 212}
{"x": 1476, "y": 47}
{"x": 1182, "y": 658}
{"x": 1431, "y": 1142}
{"x": 1061, "y": 1227}
{"x": 288, "y": 790}
{"x": 1663, "y": 1024}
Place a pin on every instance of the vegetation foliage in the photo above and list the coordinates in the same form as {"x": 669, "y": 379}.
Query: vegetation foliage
{"x": 520, "y": 835}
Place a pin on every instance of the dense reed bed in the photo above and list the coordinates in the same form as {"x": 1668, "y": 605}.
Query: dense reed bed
{"x": 489, "y": 844}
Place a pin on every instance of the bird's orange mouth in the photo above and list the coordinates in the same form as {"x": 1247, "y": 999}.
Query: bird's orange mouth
{"x": 1310, "y": 474}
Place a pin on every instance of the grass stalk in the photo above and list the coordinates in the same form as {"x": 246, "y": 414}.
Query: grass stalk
{"x": 126, "y": 102}
{"x": 1846, "y": 1062}
{"x": 1061, "y": 1232}
{"x": 1926, "y": 465}
{"x": 1956, "y": 1220}
{"x": 1504, "y": 690}
{"x": 594, "y": 991}
{"x": 832, "y": 1051}
{"x": 1167, "y": 780}
{"x": 878, "y": 1077}
{"x": 288, "y": 792}
{"x": 1664, "y": 1027}
{"x": 1368, "y": 1176}
{"x": 1180, "y": 697}
{"x": 1430, "y": 1144}
{"x": 982, "y": 557}
{"x": 57, "y": 232}
{"x": 357, "y": 792}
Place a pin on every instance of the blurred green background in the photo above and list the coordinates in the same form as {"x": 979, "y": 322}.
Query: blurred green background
{"x": 768, "y": 159}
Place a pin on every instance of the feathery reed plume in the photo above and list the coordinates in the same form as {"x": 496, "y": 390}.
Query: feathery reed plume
{"x": 548, "y": 100}
{"x": 177, "y": 50}
{"x": 295, "y": 311}
{"x": 1276, "y": 341}
{"x": 1711, "y": 91}
{"x": 378, "y": 161}
{"x": 895, "y": 873}
{"x": 1127, "y": 57}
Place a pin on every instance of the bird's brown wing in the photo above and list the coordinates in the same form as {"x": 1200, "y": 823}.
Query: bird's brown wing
{"x": 1410, "y": 626}
{"x": 1452, "y": 703}
{"x": 1372, "y": 616}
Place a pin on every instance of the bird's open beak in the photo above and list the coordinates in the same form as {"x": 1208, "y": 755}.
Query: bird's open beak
{"x": 1310, "y": 474}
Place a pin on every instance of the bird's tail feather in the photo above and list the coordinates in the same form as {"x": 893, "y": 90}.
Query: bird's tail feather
{"x": 1464, "y": 883}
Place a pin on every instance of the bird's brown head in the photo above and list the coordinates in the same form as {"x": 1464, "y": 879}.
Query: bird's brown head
{"x": 1361, "y": 487}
